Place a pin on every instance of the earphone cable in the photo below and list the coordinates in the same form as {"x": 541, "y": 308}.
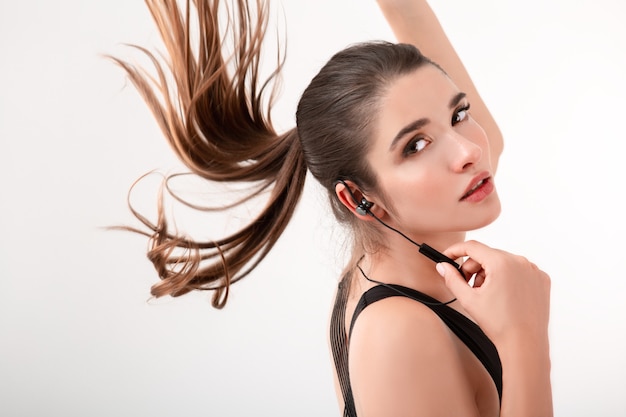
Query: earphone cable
{"x": 439, "y": 303}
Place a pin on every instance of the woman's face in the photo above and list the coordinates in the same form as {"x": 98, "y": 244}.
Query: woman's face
{"x": 431, "y": 158}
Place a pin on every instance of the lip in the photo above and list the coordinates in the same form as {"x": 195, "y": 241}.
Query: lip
{"x": 475, "y": 194}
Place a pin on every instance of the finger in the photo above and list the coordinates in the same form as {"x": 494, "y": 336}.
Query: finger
{"x": 455, "y": 283}
{"x": 477, "y": 251}
{"x": 479, "y": 279}
{"x": 471, "y": 267}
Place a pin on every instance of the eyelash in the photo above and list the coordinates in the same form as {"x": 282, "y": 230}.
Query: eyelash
{"x": 459, "y": 110}
{"x": 409, "y": 149}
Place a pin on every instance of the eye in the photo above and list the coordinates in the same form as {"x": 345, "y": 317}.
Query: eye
{"x": 460, "y": 115}
{"x": 415, "y": 145}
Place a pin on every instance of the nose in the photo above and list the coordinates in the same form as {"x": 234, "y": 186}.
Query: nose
{"x": 464, "y": 152}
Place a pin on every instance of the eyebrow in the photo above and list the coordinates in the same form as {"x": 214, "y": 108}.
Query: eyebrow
{"x": 419, "y": 123}
{"x": 456, "y": 100}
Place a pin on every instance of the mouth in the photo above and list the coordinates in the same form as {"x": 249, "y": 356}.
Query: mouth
{"x": 480, "y": 183}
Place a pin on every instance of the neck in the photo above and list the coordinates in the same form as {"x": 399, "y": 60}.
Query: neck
{"x": 401, "y": 263}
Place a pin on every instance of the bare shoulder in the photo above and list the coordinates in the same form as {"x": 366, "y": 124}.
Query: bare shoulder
{"x": 400, "y": 325}
{"x": 405, "y": 361}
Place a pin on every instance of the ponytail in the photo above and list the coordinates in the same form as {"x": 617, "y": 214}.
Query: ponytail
{"x": 210, "y": 109}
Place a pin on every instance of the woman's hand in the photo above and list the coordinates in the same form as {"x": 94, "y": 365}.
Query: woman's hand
{"x": 510, "y": 294}
{"x": 510, "y": 301}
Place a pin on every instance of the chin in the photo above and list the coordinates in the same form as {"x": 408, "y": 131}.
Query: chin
{"x": 488, "y": 216}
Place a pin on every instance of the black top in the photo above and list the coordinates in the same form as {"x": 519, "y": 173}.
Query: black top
{"x": 465, "y": 329}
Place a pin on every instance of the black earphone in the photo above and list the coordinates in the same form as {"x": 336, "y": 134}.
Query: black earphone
{"x": 363, "y": 208}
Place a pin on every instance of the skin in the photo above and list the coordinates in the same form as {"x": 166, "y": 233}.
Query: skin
{"x": 437, "y": 163}
{"x": 413, "y": 21}
{"x": 427, "y": 171}
{"x": 403, "y": 359}
{"x": 423, "y": 189}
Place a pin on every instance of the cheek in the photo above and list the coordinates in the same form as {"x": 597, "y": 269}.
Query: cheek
{"x": 419, "y": 190}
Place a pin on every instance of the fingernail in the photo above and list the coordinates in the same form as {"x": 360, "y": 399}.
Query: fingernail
{"x": 441, "y": 269}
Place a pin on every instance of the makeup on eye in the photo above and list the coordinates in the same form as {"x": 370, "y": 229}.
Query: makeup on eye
{"x": 420, "y": 123}
{"x": 415, "y": 145}
{"x": 419, "y": 142}
{"x": 464, "y": 111}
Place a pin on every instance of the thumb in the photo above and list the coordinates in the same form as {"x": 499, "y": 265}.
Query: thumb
{"x": 453, "y": 280}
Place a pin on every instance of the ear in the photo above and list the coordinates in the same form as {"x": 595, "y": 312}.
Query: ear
{"x": 351, "y": 198}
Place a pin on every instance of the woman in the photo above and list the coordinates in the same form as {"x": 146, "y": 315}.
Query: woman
{"x": 390, "y": 134}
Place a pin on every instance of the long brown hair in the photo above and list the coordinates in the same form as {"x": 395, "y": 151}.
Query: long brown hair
{"x": 213, "y": 117}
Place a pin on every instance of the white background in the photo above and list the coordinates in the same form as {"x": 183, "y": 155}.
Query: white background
{"x": 78, "y": 336}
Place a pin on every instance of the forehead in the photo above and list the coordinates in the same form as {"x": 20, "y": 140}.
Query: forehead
{"x": 424, "y": 93}
{"x": 421, "y": 93}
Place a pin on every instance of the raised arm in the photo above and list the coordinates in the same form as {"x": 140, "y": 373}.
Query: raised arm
{"x": 413, "y": 21}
